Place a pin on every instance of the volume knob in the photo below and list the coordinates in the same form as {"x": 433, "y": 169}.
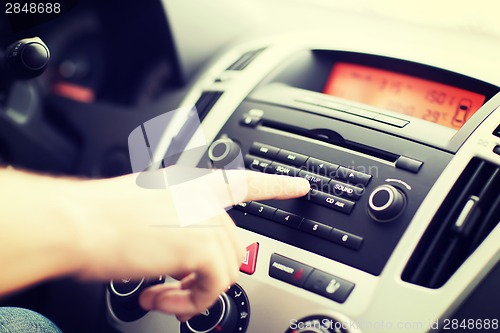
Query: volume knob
{"x": 224, "y": 153}
{"x": 220, "y": 317}
{"x": 386, "y": 203}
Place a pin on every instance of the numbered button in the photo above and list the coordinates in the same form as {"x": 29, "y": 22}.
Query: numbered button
{"x": 315, "y": 228}
{"x": 287, "y": 218}
{"x": 259, "y": 209}
{"x": 346, "y": 239}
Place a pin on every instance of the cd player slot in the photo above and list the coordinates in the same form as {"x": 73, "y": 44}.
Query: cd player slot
{"x": 331, "y": 137}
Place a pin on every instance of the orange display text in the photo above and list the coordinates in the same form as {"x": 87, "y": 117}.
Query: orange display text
{"x": 420, "y": 98}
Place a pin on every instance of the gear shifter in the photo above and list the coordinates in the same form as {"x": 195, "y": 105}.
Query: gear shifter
{"x": 24, "y": 59}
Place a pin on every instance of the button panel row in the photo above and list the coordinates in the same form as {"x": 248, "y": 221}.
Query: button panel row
{"x": 306, "y": 225}
{"x": 309, "y": 278}
{"x": 319, "y": 184}
{"x": 324, "y": 168}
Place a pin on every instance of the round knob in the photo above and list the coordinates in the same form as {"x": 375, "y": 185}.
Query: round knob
{"x": 386, "y": 203}
{"x": 123, "y": 297}
{"x": 223, "y": 152}
{"x": 221, "y": 317}
{"x": 125, "y": 287}
{"x": 27, "y": 58}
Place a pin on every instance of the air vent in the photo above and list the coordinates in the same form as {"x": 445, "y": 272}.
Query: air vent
{"x": 206, "y": 101}
{"x": 468, "y": 214}
{"x": 244, "y": 60}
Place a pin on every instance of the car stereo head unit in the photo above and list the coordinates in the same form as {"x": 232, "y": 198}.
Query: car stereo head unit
{"x": 382, "y": 140}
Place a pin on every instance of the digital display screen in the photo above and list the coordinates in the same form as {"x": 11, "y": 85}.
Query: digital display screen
{"x": 420, "y": 98}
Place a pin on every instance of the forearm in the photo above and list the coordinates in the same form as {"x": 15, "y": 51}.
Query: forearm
{"x": 38, "y": 230}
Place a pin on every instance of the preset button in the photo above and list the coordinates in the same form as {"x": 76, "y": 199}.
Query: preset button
{"x": 287, "y": 218}
{"x": 259, "y": 209}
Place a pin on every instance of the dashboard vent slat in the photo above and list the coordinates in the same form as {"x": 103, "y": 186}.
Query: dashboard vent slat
{"x": 206, "y": 101}
{"x": 466, "y": 217}
{"x": 244, "y": 60}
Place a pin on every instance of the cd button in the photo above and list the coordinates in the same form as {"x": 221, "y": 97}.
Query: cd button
{"x": 264, "y": 150}
{"x": 287, "y": 156}
{"x": 331, "y": 201}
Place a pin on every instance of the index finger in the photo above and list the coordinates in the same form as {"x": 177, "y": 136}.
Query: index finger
{"x": 263, "y": 186}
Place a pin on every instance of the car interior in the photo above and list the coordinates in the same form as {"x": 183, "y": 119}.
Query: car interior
{"x": 389, "y": 109}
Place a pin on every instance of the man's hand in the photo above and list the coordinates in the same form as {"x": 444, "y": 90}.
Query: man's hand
{"x": 205, "y": 256}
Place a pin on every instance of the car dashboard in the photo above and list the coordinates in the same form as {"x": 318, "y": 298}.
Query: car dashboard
{"x": 396, "y": 127}
{"x": 401, "y": 220}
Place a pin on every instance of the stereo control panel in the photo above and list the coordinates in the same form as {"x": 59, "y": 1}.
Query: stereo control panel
{"x": 362, "y": 197}
{"x": 333, "y": 260}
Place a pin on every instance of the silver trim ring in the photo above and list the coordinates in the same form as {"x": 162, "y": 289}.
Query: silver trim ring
{"x": 389, "y": 202}
{"x": 215, "y": 144}
{"x": 112, "y": 285}
{"x": 222, "y": 313}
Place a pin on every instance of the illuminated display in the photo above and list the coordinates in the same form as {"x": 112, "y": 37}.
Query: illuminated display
{"x": 424, "y": 99}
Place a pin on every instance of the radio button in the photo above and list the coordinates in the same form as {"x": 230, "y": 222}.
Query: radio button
{"x": 345, "y": 190}
{"x": 287, "y": 218}
{"x": 315, "y": 228}
{"x": 256, "y": 163}
{"x": 322, "y": 167}
{"x": 264, "y": 150}
{"x": 331, "y": 201}
{"x": 353, "y": 176}
{"x": 346, "y": 239}
{"x": 317, "y": 182}
{"x": 282, "y": 169}
{"x": 259, "y": 209}
{"x": 291, "y": 157}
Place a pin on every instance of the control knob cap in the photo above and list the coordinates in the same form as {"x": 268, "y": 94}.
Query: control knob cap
{"x": 27, "y": 58}
{"x": 223, "y": 153}
{"x": 221, "y": 317}
{"x": 386, "y": 203}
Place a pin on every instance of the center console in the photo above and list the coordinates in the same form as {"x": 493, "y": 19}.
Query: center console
{"x": 400, "y": 223}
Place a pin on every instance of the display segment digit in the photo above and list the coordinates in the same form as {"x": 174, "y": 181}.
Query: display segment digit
{"x": 432, "y": 101}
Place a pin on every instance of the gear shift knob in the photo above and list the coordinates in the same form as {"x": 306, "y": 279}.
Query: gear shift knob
{"x": 26, "y": 59}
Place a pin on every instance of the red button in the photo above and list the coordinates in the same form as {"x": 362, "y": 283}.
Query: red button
{"x": 249, "y": 264}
